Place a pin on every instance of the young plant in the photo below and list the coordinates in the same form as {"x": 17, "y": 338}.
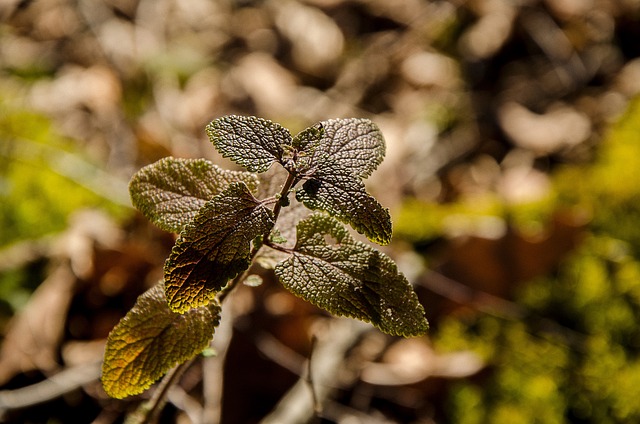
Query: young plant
{"x": 226, "y": 220}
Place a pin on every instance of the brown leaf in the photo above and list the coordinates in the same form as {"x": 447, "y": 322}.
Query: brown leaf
{"x": 34, "y": 335}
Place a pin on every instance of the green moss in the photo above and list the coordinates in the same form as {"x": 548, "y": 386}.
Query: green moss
{"x": 37, "y": 184}
{"x": 529, "y": 379}
{"x": 575, "y": 358}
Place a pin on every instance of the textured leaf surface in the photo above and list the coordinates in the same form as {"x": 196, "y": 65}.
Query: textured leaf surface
{"x": 349, "y": 278}
{"x": 214, "y": 247}
{"x": 338, "y": 192}
{"x": 252, "y": 142}
{"x": 151, "y": 339}
{"x": 355, "y": 144}
{"x": 308, "y": 139}
{"x": 170, "y": 192}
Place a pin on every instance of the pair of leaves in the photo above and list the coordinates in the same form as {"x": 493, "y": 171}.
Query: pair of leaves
{"x": 216, "y": 215}
{"x": 257, "y": 143}
{"x": 348, "y": 278}
{"x": 188, "y": 196}
{"x": 214, "y": 247}
{"x": 332, "y": 157}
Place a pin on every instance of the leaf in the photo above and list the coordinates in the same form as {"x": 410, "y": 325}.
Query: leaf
{"x": 151, "y": 339}
{"x": 252, "y": 142}
{"x": 355, "y": 144}
{"x": 171, "y": 191}
{"x": 307, "y": 139}
{"x": 338, "y": 192}
{"x": 214, "y": 247}
{"x": 348, "y": 278}
{"x": 333, "y": 157}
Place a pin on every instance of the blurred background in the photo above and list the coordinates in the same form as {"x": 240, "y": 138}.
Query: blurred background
{"x": 511, "y": 174}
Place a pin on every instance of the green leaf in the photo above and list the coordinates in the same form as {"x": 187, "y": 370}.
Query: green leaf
{"x": 355, "y": 144}
{"x": 170, "y": 192}
{"x": 307, "y": 139}
{"x": 151, "y": 339}
{"x": 252, "y": 142}
{"x": 348, "y": 278}
{"x": 338, "y": 192}
{"x": 214, "y": 247}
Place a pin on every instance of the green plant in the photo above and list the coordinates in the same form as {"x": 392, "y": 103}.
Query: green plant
{"x": 226, "y": 220}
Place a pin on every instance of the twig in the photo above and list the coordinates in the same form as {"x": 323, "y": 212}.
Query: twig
{"x": 55, "y": 386}
{"x": 291, "y": 181}
{"x": 465, "y": 295}
{"x": 297, "y": 406}
{"x": 494, "y": 305}
{"x": 279, "y": 353}
{"x": 317, "y": 405}
{"x": 181, "y": 400}
{"x": 149, "y": 411}
{"x": 213, "y": 367}
{"x": 24, "y": 252}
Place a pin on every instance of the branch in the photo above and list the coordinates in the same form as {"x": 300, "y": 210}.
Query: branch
{"x": 213, "y": 367}
{"x": 298, "y": 405}
{"x": 492, "y": 305}
{"x": 55, "y": 386}
{"x": 149, "y": 411}
{"x": 292, "y": 180}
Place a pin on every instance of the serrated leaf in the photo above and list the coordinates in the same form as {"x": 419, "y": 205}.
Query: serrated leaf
{"x": 252, "y": 142}
{"x": 348, "y": 278}
{"x": 171, "y": 191}
{"x": 214, "y": 247}
{"x": 151, "y": 339}
{"x": 306, "y": 139}
{"x": 355, "y": 144}
{"x": 338, "y": 192}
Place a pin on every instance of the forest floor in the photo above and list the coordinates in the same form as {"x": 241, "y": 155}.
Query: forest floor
{"x": 480, "y": 103}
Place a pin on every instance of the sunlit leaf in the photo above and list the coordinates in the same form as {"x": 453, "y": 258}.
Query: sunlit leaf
{"x": 355, "y": 144}
{"x": 214, "y": 247}
{"x": 348, "y": 278}
{"x": 308, "y": 148}
{"x": 151, "y": 339}
{"x": 307, "y": 139}
{"x": 338, "y": 192}
{"x": 252, "y": 142}
{"x": 170, "y": 192}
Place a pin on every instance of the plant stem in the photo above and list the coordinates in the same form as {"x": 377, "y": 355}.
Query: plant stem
{"x": 292, "y": 180}
{"x": 278, "y": 247}
{"x": 149, "y": 411}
